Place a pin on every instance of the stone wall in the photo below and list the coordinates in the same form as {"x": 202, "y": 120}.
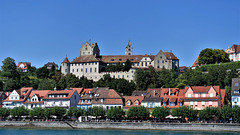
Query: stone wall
{"x": 115, "y": 125}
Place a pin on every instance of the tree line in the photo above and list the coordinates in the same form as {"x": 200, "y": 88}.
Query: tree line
{"x": 223, "y": 114}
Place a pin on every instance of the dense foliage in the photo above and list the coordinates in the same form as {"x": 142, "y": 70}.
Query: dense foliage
{"x": 160, "y": 112}
{"x": 212, "y": 56}
{"x": 140, "y": 112}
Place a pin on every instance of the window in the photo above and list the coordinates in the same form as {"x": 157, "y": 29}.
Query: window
{"x": 164, "y": 103}
{"x": 77, "y": 70}
{"x": 165, "y": 94}
{"x": 236, "y": 84}
{"x": 128, "y": 103}
{"x": 160, "y": 57}
{"x": 195, "y": 102}
{"x": 90, "y": 70}
{"x": 196, "y": 95}
{"x": 180, "y": 103}
{"x": 145, "y": 63}
{"x": 86, "y": 70}
{"x": 203, "y": 103}
{"x": 163, "y": 61}
{"x": 189, "y": 95}
{"x": 72, "y": 70}
{"x": 95, "y": 69}
{"x": 172, "y": 103}
{"x": 191, "y": 102}
{"x": 101, "y": 99}
{"x": 65, "y": 70}
{"x": 210, "y": 102}
{"x": 142, "y": 64}
{"x": 81, "y": 69}
{"x": 120, "y": 59}
{"x": 122, "y": 76}
{"x": 136, "y": 103}
{"x": 158, "y": 61}
{"x": 112, "y": 59}
{"x": 211, "y": 95}
{"x": 235, "y": 100}
{"x": 203, "y": 95}
{"x": 236, "y": 91}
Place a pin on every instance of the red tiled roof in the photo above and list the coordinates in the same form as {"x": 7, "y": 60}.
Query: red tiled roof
{"x": 24, "y": 63}
{"x": 132, "y": 100}
{"x": 170, "y": 55}
{"x": 196, "y": 63}
{"x": 66, "y": 60}
{"x": 223, "y": 95}
{"x": 20, "y": 92}
{"x": 87, "y": 58}
{"x": 68, "y": 92}
{"x": 39, "y": 93}
{"x": 86, "y": 91}
{"x": 236, "y": 48}
{"x": 123, "y": 58}
{"x": 79, "y": 90}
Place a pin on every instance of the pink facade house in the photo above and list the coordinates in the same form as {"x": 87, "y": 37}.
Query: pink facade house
{"x": 200, "y": 97}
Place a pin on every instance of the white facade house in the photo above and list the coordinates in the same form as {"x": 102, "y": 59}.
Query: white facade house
{"x": 17, "y": 98}
{"x": 234, "y": 53}
{"x": 235, "y": 91}
{"x": 62, "y": 98}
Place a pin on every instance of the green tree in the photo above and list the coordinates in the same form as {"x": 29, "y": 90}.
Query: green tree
{"x": 160, "y": 112}
{"x": 19, "y": 111}
{"x": 1, "y": 85}
{"x": 4, "y": 112}
{"x": 46, "y": 84}
{"x": 138, "y": 112}
{"x": 127, "y": 65}
{"x": 209, "y": 112}
{"x": 226, "y": 112}
{"x": 98, "y": 111}
{"x": 184, "y": 112}
{"x": 11, "y": 84}
{"x": 58, "y": 111}
{"x": 142, "y": 79}
{"x": 210, "y": 56}
{"x": 37, "y": 112}
{"x": 42, "y": 72}
{"x": 75, "y": 112}
{"x": 236, "y": 113}
{"x": 47, "y": 113}
{"x": 115, "y": 113}
{"x": 9, "y": 66}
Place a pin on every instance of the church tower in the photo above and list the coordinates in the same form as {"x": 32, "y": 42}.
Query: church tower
{"x": 128, "y": 49}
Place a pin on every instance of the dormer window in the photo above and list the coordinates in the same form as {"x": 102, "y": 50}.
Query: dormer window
{"x": 165, "y": 94}
{"x": 236, "y": 91}
{"x": 136, "y": 103}
{"x": 128, "y": 103}
{"x": 101, "y": 99}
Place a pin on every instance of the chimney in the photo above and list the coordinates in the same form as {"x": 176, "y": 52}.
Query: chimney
{"x": 154, "y": 92}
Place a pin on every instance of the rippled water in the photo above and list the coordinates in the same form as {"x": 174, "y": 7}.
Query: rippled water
{"x": 105, "y": 132}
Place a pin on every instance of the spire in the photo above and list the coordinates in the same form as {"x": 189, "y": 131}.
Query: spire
{"x": 128, "y": 49}
{"x": 128, "y": 44}
{"x": 66, "y": 60}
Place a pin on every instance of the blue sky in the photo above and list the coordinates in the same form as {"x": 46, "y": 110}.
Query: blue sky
{"x": 48, "y": 30}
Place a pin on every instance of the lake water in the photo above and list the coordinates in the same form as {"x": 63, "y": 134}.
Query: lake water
{"x": 105, "y": 132}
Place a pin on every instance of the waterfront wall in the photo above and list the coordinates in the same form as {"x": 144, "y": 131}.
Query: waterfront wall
{"x": 115, "y": 125}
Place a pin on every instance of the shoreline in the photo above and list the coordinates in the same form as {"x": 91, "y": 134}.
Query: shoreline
{"x": 208, "y": 127}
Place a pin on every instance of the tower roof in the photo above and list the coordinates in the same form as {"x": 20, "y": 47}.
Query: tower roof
{"x": 128, "y": 44}
{"x": 66, "y": 60}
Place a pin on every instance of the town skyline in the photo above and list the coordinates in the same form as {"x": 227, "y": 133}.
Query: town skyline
{"x": 41, "y": 32}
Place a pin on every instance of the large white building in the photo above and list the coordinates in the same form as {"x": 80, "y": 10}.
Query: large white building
{"x": 91, "y": 64}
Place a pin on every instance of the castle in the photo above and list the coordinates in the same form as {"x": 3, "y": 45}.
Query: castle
{"x": 91, "y": 64}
